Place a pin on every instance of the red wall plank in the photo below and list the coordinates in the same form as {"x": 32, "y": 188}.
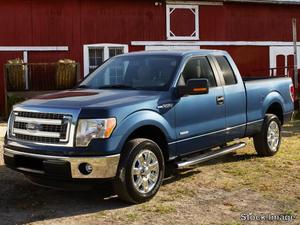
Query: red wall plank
{"x": 182, "y": 22}
{"x": 251, "y": 61}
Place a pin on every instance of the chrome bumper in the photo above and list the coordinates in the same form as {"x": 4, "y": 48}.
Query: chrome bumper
{"x": 103, "y": 167}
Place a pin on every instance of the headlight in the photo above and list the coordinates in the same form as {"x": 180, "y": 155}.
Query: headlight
{"x": 89, "y": 129}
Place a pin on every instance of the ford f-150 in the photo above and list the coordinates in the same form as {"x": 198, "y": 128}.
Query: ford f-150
{"x": 140, "y": 112}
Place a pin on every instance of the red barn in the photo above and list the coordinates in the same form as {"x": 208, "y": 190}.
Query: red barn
{"x": 257, "y": 33}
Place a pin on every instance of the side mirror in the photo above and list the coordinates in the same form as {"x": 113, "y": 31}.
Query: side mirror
{"x": 194, "y": 87}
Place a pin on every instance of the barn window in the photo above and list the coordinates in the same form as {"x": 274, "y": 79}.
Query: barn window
{"x": 96, "y": 54}
{"x": 113, "y": 51}
{"x": 182, "y": 22}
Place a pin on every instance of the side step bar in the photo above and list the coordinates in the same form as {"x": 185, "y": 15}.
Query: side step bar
{"x": 210, "y": 155}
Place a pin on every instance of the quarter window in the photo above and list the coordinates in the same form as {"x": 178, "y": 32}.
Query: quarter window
{"x": 198, "y": 68}
{"x": 227, "y": 71}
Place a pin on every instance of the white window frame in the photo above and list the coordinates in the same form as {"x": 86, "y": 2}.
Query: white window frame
{"x": 168, "y": 21}
{"x": 105, "y": 46}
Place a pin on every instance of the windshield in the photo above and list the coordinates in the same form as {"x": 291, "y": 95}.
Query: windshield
{"x": 141, "y": 72}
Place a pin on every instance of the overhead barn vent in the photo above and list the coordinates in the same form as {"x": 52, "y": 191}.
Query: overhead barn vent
{"x": 182, "y": 22}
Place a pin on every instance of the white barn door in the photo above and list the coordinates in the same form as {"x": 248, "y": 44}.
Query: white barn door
{"x": 281, "y": 60}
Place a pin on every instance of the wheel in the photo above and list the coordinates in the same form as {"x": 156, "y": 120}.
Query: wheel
{"x": 267, "y": 142}
{"x": 140, "y": 172}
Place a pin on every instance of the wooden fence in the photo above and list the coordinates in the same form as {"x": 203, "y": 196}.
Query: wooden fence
{"x": 25, "y": 80}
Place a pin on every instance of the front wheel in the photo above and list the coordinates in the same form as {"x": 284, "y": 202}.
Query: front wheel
{"x": 140, "y": 172}
{"x": 267, "y": 142}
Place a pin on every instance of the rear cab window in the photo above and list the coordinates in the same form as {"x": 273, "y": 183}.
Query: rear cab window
{"x": 227, "y": 71}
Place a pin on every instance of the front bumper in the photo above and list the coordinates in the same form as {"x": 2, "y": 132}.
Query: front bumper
{"x": 60, "y": 166}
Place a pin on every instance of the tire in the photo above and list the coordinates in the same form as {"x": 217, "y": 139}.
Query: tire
{"x": 130, "y": 173}
{"x": 268, "y": 145}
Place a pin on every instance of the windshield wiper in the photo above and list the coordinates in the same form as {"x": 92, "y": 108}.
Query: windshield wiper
{"x": 117, "y": 86}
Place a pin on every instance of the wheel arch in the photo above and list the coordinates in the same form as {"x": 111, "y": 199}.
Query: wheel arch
{"x": 276, "y": 109}
{"x": 153, "y": 133}
{"x": 274, "y": 104}
{"x": 147, "y": 124}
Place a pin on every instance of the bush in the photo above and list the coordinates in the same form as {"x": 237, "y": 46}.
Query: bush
{"x": 12, "y": 100}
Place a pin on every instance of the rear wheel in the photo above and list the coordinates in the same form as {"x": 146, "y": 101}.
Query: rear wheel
{"x": 140, "y": 172}
{"x": 267, "y": 142}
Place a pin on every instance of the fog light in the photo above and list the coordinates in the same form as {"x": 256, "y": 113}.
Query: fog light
{"x": 85, "y": 168}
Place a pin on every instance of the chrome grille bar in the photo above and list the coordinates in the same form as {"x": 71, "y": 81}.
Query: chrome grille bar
{"x": 37, "y": 133}
{"x": 38, "y": 121}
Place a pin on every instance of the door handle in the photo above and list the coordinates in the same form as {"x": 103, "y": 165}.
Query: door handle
{"x": 220, "y": 100}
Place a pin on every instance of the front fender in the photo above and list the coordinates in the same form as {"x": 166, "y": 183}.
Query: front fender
{"x": 144, "y": 118}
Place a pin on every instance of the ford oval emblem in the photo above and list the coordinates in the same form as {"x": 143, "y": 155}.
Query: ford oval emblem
{"x": 32, "y": 127}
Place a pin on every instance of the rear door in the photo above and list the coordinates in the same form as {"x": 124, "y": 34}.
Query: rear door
{"x": 200, "y": 119}
{"x": 234, "y": 97}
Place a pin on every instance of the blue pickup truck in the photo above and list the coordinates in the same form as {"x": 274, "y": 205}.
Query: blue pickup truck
{"x": 139, "y": 113}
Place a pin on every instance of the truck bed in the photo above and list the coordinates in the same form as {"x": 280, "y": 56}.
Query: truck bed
{"x": 263, "y": 77}
{"x": 258, "y": 91}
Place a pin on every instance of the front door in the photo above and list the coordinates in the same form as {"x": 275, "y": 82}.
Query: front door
{"x": 235, "y": 98}
{"x": 200, "y": 119}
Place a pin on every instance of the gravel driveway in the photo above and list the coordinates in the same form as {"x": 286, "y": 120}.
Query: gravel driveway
{"x": 217, "y": 192}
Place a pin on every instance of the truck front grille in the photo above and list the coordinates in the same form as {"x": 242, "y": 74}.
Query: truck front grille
{"x": 37, "y": 139}
{"x": 40, "y": 127}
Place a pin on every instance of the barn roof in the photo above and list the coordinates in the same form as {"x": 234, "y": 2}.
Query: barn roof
{"x": 267, "y": 1}
{"x": 243, "y": 1}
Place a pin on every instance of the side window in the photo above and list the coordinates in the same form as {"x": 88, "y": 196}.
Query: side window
{"x": 227, "y": 71}
{"x": 198, "y": 68}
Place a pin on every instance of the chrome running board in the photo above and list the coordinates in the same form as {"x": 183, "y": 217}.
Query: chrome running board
{"x": 209, "y": 155}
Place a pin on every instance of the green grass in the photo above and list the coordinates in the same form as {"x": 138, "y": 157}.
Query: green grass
{"x": 132, "y": 217}
{"x": 158, "y": 208}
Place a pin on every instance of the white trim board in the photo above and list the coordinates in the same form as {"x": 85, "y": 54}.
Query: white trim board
{"x": 193, "y": 3}
{"x": 171, "y": 47}
{"x": 213, "y": 43}
{"x": 32, "y": 48}
{"x": 266, "y": 1}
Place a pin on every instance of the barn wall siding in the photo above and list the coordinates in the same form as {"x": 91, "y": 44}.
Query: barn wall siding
{"x": 248, "y": 22}
{"x": 250, "y": 60}
{"x": 75, "y": 23}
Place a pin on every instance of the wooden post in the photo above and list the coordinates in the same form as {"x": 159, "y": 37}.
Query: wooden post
{"x": 25, "y": 60}
{"x": 294, "y": 24}
{"x": 5, "y": 92}
{"x": 295, "y": 55}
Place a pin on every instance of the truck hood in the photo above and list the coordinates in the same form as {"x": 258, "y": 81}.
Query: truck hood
{"x": 91, "y": 98}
